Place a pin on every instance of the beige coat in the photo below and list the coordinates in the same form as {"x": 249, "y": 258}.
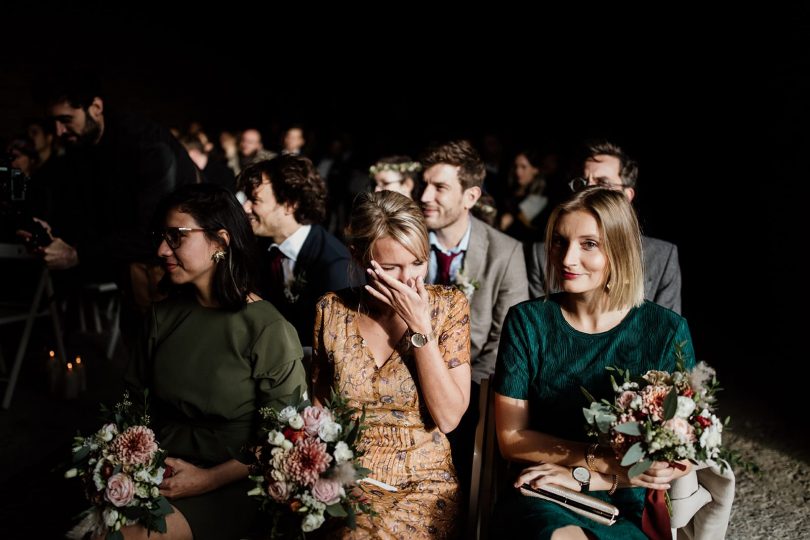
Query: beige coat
{"x": 701, "y": 502}
{"x": 497, "y": 263}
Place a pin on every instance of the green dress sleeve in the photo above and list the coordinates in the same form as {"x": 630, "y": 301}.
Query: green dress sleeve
{"x": 277, "y": 365}
{"x": 137, "y": 372}
{"x": 683, "y": 339}
{"x": 512, "y": 375}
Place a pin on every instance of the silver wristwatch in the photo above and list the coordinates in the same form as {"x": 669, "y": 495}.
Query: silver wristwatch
{"x": 583, "y": 476}
{"x": 420, "y": 340}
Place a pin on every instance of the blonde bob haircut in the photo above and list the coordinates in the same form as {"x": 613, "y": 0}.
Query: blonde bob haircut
{"x": 386, "y": 214}
{"x": 621, "y": 244}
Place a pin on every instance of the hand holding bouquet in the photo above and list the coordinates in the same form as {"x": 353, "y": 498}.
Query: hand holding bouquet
{"x": 306, "y": 466}
{"x": 659, "y": 417}
{"x": 121, "y": 467}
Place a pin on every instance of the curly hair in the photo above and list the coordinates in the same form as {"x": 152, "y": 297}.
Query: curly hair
{"x": 294, "y": 180}
{"x": 461, "y": 154}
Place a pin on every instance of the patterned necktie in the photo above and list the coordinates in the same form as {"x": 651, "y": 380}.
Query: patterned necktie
{"x": 444, "y": 261}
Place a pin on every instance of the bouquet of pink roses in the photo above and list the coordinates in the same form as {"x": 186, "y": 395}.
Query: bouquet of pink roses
{"x": 121, "y": 467}
{"x": 306, "y": 466}
{"x": 659, "y": 417}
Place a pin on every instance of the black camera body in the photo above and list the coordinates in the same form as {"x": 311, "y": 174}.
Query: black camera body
{"x": 13, "y": 184}
{"x": 14, "y": 214}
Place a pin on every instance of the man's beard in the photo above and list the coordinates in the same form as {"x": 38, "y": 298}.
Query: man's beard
{"x": 90, "y": 135}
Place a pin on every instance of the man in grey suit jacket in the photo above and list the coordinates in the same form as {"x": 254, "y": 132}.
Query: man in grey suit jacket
{"x": 608, "y": 166}
{"x": 485, "y": 263}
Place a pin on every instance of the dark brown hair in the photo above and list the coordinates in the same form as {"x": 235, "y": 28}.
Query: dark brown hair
{"x": 460, "y": 154}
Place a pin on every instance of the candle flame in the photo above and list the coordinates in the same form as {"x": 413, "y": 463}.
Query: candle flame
{"x": 70, "y": 366}
{"x": 51, "y": 354}
{"x": 78, "y": 360}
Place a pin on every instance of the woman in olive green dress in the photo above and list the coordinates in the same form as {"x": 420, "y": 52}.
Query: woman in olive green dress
{"x": 215, "y": 353}
{"x": 551, "y": 347}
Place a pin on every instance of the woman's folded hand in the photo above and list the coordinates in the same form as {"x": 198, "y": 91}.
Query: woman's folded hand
{"x": 547, "y": 473}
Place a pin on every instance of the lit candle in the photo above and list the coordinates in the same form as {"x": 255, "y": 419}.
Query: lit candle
{"x": 81, "y": 373}
{"x": 72, "y": 383}
{"x": 55, "y": 373}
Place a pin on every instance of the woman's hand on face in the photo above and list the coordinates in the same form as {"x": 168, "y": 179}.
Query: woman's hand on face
{"x": 548, "y": 473}
{"x": 186, "y": 480}
{"x": 408, "y": 300}
{"x": 661, "y": 474}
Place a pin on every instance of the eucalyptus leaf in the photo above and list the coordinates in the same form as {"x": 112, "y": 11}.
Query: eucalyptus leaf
{"x": 336, "y": 510}
{"x": 159, "y": 525}
{"x": 604, "y": 421}
{"x": 639, "y": 468}
{"x": 164, "y": 505}
{"x": 633, "y": 454}
{"x": 351, "y": 520}
{"x": 629, "y": 428}
{"x": 587, "y": 394}
{"x": 81, "y": 454}
{"x": 671, "y": 404}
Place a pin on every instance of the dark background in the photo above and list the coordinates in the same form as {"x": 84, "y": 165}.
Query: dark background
{"x": 713, "y": 105}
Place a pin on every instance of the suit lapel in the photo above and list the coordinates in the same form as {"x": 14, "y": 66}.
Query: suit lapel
{"x": 476, "y": 254}
{"x": 309, "y": 250}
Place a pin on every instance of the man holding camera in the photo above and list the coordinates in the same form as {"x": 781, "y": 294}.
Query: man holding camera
{"x": 116, "y": 169}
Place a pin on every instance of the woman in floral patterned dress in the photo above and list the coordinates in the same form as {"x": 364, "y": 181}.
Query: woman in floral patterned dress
{"x": 401, "y": 351}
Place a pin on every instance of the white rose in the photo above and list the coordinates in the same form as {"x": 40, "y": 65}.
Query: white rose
{"x": 107, "y": 432}
{"x": 686, "y": 406}
{"x": 98, "y": 481}
{"x": 145, "y": 475}
{"x": 710, "y": 438}
{"x": 329, "y": 431}
{"x": 287, "y": 413}
{"x": 343, "y": 453}
{"x": 155, "y": 492}
{"x": 312, "y": 522}
{"x": 296, "y": 421}
{"x": 286, "y": 444}
{"x": 275, "y": 438}
{"x": 110, "y": 517}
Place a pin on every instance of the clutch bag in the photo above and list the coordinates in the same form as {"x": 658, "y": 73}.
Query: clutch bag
{"x": 580, "y": 503}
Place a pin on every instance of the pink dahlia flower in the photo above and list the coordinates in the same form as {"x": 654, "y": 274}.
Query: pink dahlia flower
{"x": 307, "y": 460}
{"x": 135, "y": 446}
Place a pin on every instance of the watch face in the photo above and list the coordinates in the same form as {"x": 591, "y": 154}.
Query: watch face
{"x": 418, "y": 340}
{"x": 582, "y": 475}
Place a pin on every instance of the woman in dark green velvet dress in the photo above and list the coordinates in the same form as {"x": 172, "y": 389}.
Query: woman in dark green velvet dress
{"x": 552, "y": 346}
{"x": 215, "y": 353}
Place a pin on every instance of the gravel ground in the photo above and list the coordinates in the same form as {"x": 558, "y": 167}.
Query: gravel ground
{"x": 776, "y": 502}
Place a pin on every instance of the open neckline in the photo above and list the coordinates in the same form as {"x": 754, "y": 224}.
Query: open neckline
{"x": 367, "y": 349}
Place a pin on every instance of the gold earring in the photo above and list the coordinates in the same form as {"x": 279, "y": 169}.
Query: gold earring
{"x": 218, "y": 256}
